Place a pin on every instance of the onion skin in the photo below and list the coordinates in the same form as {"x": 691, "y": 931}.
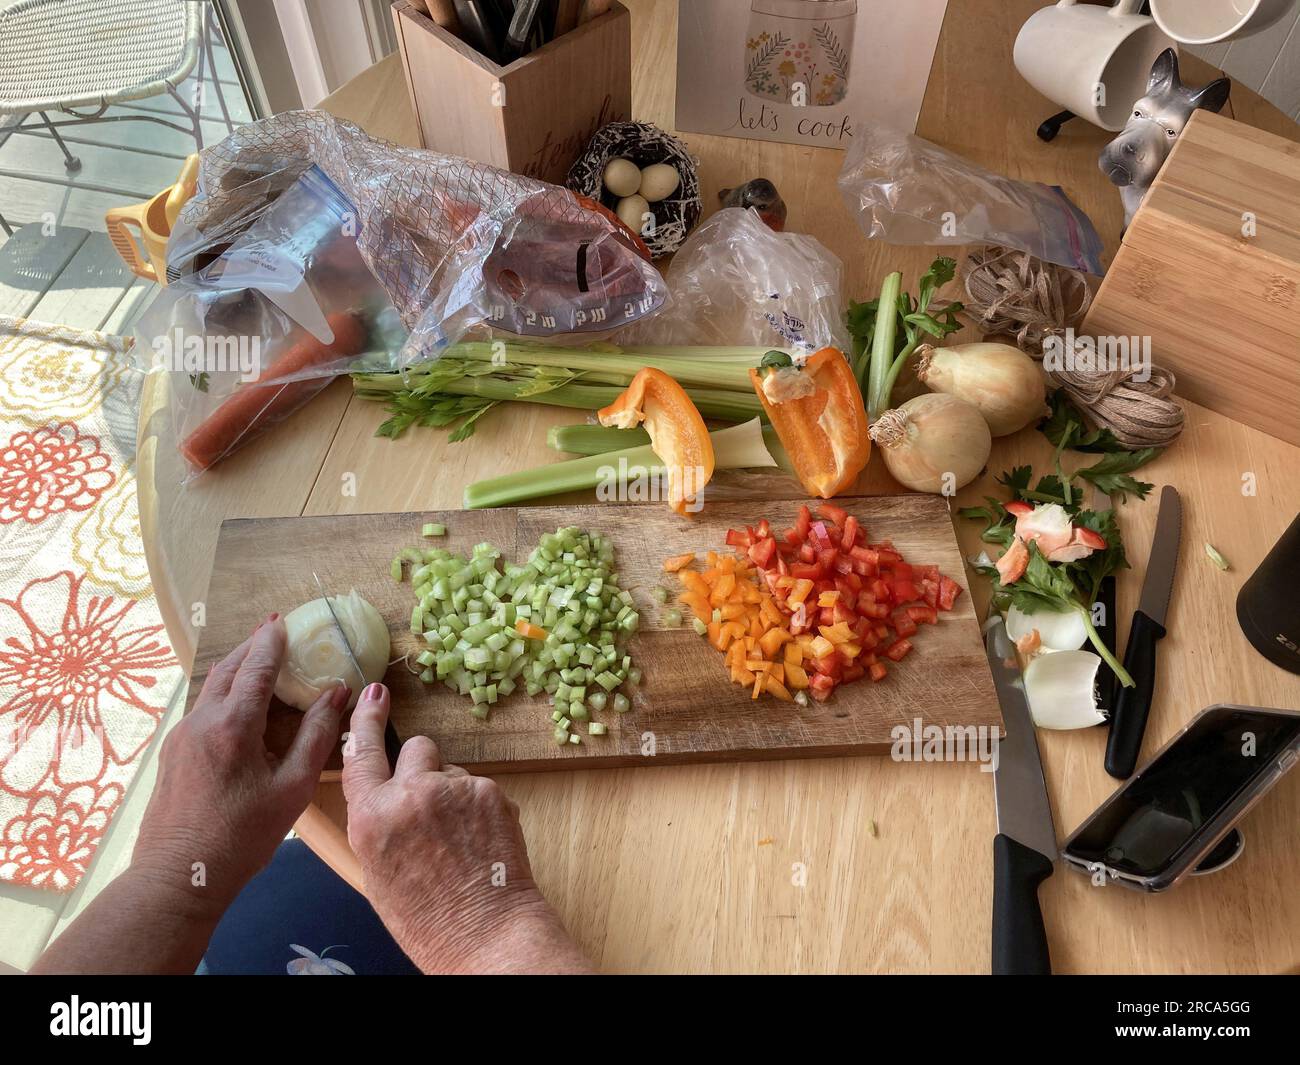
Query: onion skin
{"x": 1000, "y": 380}
{"x": 930, "y": 437}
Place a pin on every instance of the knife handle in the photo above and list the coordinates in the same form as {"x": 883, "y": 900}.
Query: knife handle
{"x": 1019, "y": 938}
{"x": 1106, "y": 675}
{"x": 1132, "y": 705}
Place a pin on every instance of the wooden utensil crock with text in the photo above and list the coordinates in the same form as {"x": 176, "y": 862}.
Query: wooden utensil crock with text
{"x": 533, "y": 116}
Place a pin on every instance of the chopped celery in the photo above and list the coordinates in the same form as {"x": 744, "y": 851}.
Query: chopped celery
{"x": 673, "y": 619}
{"x": 432, "y": 528}
{"x": 467, "y": 610}
{"x": 621, "y": 704}
{"x": 659, "y": 593}
{"x": 596, "y": 729}
{"x": 700, "y": 628}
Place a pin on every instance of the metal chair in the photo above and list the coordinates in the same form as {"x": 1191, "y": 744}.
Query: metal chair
{"x": 81, "y": 57}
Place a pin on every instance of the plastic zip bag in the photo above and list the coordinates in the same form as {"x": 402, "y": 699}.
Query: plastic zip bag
{"x": 906, "y": 190}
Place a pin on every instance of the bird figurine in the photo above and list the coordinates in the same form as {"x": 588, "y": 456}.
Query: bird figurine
{"x": 761, "y": 195}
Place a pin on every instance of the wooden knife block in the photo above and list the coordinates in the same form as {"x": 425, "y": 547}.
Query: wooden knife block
{"x": 533, "y": 116}
{"x": 1210, "y": 270}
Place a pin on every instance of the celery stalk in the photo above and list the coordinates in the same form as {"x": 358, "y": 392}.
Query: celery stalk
{"x": 574, "y": 475}
{"x": 598, "y": 440}
{"x": 720, "y": 403}
{"x": 736, "y": 447}
{"x": 882, "y": 346}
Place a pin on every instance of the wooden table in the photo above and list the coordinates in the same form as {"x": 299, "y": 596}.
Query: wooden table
{"x": 694, "y": 869}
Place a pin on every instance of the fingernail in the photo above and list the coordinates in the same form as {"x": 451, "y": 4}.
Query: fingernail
{"x": 272, "y": 617}
{"x": 341, "y": 696}
{"x": 375, "y": 693}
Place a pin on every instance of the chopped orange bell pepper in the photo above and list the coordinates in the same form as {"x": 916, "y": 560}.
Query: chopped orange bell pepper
{"x": 817, "y": 412}
{"x": 678, "y": 434}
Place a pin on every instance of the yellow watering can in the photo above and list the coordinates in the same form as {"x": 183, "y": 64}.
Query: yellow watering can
{"x": 152, "y": 222}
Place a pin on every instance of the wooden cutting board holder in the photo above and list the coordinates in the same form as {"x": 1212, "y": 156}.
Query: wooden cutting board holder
{"x": 1210, "y": 271}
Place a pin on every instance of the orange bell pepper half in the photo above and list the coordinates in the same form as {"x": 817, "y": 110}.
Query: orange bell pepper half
{"x": 817, "y": 412}
{"x": 678, "y": 434}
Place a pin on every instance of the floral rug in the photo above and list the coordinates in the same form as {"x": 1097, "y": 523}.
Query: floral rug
{"x": 86, "y": 670}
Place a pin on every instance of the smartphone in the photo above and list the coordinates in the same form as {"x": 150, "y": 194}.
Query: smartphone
{"x": 1163, "y": 822}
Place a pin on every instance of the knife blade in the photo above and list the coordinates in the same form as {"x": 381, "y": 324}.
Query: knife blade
{"x": 1024, "y": 851}
{"x": 392, "y": 742}
{"x": 1108, "y": 624}
{"x": 1133, "y": 705}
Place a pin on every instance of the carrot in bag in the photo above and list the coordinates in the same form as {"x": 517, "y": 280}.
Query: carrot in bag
{"x": 255, "y": 406}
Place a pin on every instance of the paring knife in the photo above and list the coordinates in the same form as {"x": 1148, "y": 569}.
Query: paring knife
{"x": 1132, "y": 705}
{"x": 1107, "y": 629}
{"x": 1024, "y": 850}
{"x": 392, "y": 743}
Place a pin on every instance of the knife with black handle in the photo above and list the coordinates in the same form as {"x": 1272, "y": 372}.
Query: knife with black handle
{"x": 1024, "y": 850}
{"x": 1106, "y": 624}
{"x": 1128, "y": 723}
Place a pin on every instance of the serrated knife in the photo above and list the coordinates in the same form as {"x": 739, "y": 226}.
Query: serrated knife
{"x": 392, "y": 742}
{"x": 1024, "y": 850}
{"x": 1128, "y": 721}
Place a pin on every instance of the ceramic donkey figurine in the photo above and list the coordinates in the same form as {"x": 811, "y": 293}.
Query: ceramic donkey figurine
{"x": 1133, "y": 159}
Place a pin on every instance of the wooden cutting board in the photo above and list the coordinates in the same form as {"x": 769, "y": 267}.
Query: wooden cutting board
{"x": 686, "y": 709}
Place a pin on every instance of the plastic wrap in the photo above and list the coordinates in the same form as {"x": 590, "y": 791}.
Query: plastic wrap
{"x": 905, "y": 190}
{"x": 737, "y": 282}
{"x": 309, "y": 244}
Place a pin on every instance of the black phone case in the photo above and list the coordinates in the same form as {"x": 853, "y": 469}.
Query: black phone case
{"x": 1215, "y": 830}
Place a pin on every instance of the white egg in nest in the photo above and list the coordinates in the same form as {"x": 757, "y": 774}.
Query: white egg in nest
{"x": 658, "y": 182}
{"x": 622, "y": 177}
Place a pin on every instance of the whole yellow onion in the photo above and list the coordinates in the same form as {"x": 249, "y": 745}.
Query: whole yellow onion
{"x": 1000, "y": 380}
{"x": 933, "y": 443}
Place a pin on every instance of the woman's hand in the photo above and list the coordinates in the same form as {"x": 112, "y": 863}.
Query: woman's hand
{"x": 443, "y": 858}
{"x": 223, "y": 802}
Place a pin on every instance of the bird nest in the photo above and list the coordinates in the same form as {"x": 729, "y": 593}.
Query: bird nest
{"x": 644, "y": 144}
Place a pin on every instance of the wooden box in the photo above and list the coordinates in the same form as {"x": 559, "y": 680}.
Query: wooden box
{"x": 1210, "y": 270}
{"x": 533, "y": 116}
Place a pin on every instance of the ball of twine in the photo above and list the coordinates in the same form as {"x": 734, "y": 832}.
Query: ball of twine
{"x": 1013, "y": 293}
{"x": 1139, "y": 413}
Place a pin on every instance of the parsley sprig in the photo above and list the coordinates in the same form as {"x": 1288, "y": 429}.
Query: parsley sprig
{"x": 1066, "y": 429}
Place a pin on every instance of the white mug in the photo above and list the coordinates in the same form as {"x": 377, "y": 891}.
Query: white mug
{"x": 1210, "y": 21}
{"x": 1093, "y": 61}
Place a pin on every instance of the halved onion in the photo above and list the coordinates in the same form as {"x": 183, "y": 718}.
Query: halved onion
{"x": 1062, "y": 690}
{"x": 1059, "y": 630}
{"x": 317, "y": 658}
